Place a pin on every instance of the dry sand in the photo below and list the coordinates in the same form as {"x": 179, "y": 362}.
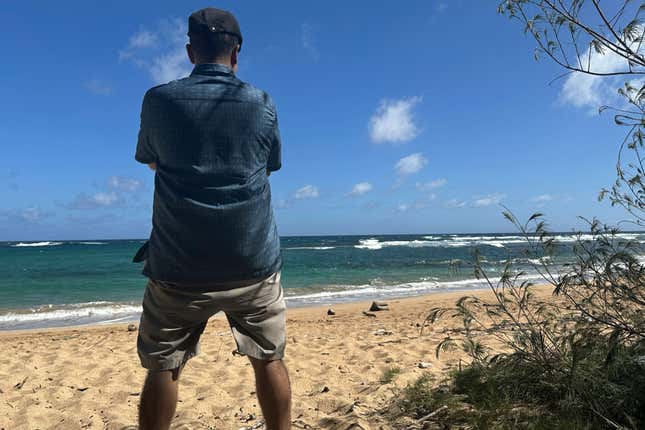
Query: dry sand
{"x": 90, "y": 377}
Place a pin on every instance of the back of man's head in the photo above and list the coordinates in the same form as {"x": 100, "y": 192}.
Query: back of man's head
{"x": 214, "y": 36}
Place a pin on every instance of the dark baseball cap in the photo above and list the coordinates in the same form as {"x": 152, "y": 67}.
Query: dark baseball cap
{"x": 210, "y": 20}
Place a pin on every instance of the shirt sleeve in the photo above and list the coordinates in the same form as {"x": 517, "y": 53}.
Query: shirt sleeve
{"x": 145, "y": 152}
{"x": 275, "y": 153}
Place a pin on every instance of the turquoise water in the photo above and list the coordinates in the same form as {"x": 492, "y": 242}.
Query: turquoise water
{"x": 80, "y": 282}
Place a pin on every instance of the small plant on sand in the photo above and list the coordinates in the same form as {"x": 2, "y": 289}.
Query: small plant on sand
{"x": 389, "y": 375}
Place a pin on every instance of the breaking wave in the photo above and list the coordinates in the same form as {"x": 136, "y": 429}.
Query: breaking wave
{"x": 28, "y": 244}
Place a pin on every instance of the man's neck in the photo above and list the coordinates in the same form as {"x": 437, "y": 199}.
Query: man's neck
{"x": 219, "y": 63}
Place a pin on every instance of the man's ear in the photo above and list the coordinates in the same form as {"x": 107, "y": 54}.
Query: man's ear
{"x": 234, "y": 57}
{"x": 191, "y": 53}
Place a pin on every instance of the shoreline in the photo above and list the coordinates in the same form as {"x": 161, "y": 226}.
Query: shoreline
{"x": 296, "y": 306}
{"x": 99, "y": 312}
{"x": 297, "y": 311}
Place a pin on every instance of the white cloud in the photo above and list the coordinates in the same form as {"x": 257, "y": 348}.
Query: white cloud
{"x": 170, "y": 66}
{"x": 588, "y": 91}
{"x": 161, "y": 51}
{"x": 306, "y": 38}
{"x": 143, "y": 39}
{"x": 114, "y": 194}
{"x": 123, "y": 184}
{"x": 29, "y": 215}
{"x": 307, "y": 192}
{"x": 98, "y": 86}
{"x": 441, "y": 7}
{"x": 491, "y": 199}
{"x": 454, "y": 203}
{"x": 427, "y": 186}
{"x": 96, "y": 200}
{"x": 393, "y": 121}
{"x": 409, "y": 207}
{"x": 32, "y": 214}
{"x": 104, "y": 199}
{"x": 543, "y": 198}
{"x": 360, "y": 189}
{"x": 281, "y": 204}
{"x": 411, "y": 164}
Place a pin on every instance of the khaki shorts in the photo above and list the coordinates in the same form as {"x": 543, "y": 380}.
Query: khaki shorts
{"x": 174, "y": 317}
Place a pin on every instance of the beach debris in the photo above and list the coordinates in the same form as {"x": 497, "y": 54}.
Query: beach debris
{"x": 431, "y": 414}
{"x": 300, "y": 424}
{"x": 424, "y": 365}
{"x": 379, "y": 306}
{"x": 82, "y": 388}
{"x": 389, "y": 360}
{"x": 369, "y": 314}
{"x": 357, "y": 425}
{"x": 248, "y": 417}
{"x": 132, "y": 327}
{"x": 254, "y": 426}
{"x": 21, "y": 383}
{"x": 330, "y": 311}
{"x": 382, "y": 332}
{"x": 325, "y": 389}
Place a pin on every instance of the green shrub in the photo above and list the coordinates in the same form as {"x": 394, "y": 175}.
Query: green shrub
{"x": 389, "y": 374}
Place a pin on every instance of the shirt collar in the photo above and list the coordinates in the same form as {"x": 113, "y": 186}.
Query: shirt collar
{"x": 211, "y": 69}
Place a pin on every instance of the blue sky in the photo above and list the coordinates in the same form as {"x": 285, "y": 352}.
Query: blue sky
{"x": 419, "y": 118}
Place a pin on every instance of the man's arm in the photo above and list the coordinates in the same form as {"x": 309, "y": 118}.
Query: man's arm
{"x": 275, "y": 151}
{"x": 145, "y": 152}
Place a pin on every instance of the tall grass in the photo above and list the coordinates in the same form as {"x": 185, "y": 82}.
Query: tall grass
{"x": 575, "y": 361}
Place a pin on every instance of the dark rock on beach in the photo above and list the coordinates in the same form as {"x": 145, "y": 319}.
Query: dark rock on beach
{"x": 379, "y": 306}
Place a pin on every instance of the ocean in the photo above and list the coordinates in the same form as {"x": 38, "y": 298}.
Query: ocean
{"x": 63, "y": 283}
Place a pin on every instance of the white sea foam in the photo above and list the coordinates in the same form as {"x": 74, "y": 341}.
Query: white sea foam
{"x": 27, "y": 244}
{"x": 310, "y": 247}
{"x": 497, "y": 241}
{"x": 92, "y": 243}
{"x": 77, "y": 313}
{"x": 374, "y": 244}
{"x": 377, "y": 244}
{"x": 344, "y": 293}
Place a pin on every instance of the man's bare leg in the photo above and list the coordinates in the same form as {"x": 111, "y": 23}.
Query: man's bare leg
{"x": 274, "y": 393}
{"x": 158, "y": 400}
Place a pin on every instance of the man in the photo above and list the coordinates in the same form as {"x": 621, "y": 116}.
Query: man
{"x": 212, "y": 140}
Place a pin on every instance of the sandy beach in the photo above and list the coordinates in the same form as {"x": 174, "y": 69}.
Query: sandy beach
{"x": 90, "y": 377}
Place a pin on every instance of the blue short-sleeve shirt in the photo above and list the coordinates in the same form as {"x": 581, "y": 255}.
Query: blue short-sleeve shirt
{"x": 213, "y": 138}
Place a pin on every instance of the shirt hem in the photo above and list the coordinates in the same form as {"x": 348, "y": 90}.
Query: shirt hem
{"x": 259, "y": 274}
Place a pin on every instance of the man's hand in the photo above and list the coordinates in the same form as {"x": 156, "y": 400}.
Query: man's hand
{"x": 153, "y": 166}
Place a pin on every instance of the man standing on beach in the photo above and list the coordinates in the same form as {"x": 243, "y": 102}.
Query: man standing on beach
{"x": 212, "y": 140}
